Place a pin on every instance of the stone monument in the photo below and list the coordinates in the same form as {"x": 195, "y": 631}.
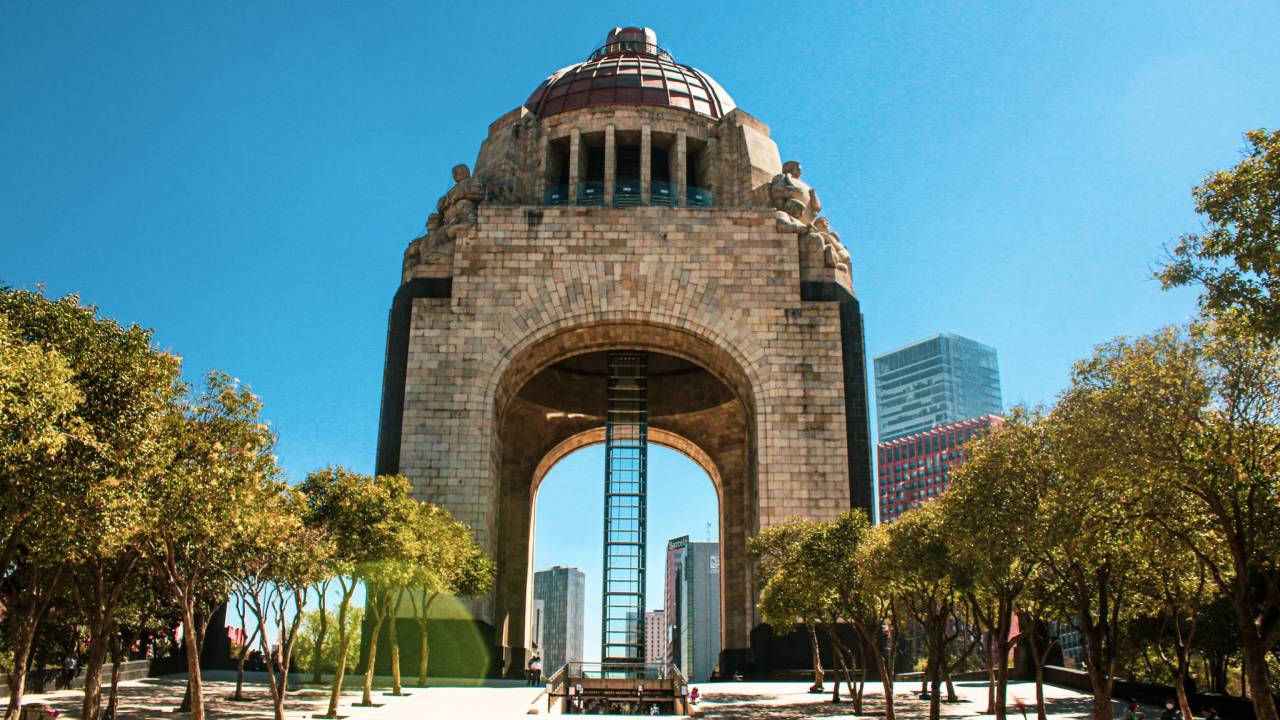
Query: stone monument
{"x": 627, "y": 205}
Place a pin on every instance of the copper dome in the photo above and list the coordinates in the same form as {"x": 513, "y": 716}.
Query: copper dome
{"x": 630, "y": 69}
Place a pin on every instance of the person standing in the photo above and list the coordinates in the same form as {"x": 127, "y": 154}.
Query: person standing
{"x": 535, "y": 671}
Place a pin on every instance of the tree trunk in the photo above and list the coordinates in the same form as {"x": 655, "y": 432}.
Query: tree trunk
{"x": 1002, "y": 680}
{"x": 107, "y": 580}
{"x": 244, "y": 655}
{"x": 1255, "y": 665}
{"x": 91, "y": 705}
{"x": 343, "y": 641}
{"x": 394, "y": 635}
{"x": 378, "y": 607}
{"x": 951, "y": 690}
{"x": 935, "y": 689}
{"x": 817, "y": 659}
{"x": 119, "y": 650}
{"x": 24, "y": 632}
{"x": 277, "y": 699}
{"x": 1180, "y": 691}
{"x": 426, "y": 652}
{"x": 876, "y": 640}
{"x": 989, "y": 661}
{"x": 18, "y": 674}
{"x": 192, "y": 643}
{"x": 317, "y": 653}
{"x": 1041, "y": 713}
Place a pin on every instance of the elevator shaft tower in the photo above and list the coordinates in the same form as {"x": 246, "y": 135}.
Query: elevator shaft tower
{"x": 625, "y": 509}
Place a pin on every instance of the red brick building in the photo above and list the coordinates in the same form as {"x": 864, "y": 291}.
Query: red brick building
{"x": 915, "y": 468}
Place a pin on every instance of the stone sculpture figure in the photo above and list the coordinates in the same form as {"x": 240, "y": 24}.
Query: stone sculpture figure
{"x": 432, "y": 253}
{"x": 458, "y": 206}
{"x": 787, "y": 185}
{"x": 833, "y": 250}
{"x": 790, "y": 218}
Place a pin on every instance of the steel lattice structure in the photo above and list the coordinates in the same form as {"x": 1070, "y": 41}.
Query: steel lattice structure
{"x": 625, "y": 503}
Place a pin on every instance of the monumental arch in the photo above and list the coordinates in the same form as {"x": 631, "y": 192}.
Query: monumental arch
{"x": 628, "y": 204}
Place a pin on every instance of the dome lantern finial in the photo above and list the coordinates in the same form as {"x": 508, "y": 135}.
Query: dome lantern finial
{"x": 639, "y": 40}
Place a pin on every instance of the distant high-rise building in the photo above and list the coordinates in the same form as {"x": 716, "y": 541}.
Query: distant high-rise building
{"x": 671, "y": 574}
{"x": 655, "y": 637}
{"x": 940, "y": 380}
{"x": 562, "y": 592}
{"x": 693, "y": 609}
{"x": 535, "y": 631}
{"x": 931, "y": 397}
{"x": 915, "y": 468}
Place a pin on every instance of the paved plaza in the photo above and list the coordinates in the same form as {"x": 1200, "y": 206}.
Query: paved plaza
{"x": 156, "y": 697}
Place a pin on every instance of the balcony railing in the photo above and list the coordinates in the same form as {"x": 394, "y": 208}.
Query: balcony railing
{"x": 663, "y": 193}
{"x": 697, "y": 197}
{"x": 591, "y": 192}
{"x": 556, "y": 195}
{"x": 626, "y": 193}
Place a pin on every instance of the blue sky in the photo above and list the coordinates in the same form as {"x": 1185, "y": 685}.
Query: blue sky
{"x": 244, "y": 178}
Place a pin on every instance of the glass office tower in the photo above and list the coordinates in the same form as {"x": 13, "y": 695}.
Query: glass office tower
{"x": 943, "y": 379}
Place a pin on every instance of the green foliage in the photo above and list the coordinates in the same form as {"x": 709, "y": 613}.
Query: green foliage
{"x": 1237, "y": 258}
{"x": 82, "y": 427}
{"x": 310, "y": 631}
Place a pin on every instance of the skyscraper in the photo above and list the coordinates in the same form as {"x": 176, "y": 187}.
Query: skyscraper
{"x": 693, "y": 611}
{"x": 916, "y": 468}
{"x": 939, "y": 380}
{"x": 562, "y": 591}
{"x": 655, "y": 637}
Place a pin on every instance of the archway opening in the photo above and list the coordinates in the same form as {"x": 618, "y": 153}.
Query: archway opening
{"x": 682, "y": 577}
{"x": 555, "y": 403}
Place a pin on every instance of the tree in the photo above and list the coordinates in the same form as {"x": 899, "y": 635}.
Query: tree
{"x": 384, "y": 577}
{"x": 1093, "y": 545}
{"x": 1177, "y": 591}
{"x": 1042, "y": 609}
{"x": 205, "y": 502}
{"x": 309, "y": 638}
{"x": 923, "y": 569}
{"x": 316, "y": 647}
{"x": 991, "y": 512}
{"x": 366, "y": 519}
{"x": 788, "y": 595}
{"x": 1237, "y": 258}
{"x": 1204, "y": 406}
{"x": 448, "y": 561}
{"x": 867, "y": 595}
{"x": 38, "y": 402}
{"x": 286, "y": 559}
{"x": 145, "y": 609}
{"x": 80, "y": 479}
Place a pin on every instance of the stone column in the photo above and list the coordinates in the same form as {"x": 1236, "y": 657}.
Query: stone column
{"x": 610, "y": 164}
{"x": 646, "y": 159}
{"x": 544, "y": 161}
{"x": 711, "y": 156}
{"x": 681, "y": 165}
{"x": 575, "y": 160}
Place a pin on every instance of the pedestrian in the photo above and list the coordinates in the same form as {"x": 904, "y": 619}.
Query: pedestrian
{"x": 694, "y": 696}
{"x": 1132, "y": 712}
{"x": 1171, "y": 711}
{"x": 535, "y": 671}
{"x": 68, "y": 672}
